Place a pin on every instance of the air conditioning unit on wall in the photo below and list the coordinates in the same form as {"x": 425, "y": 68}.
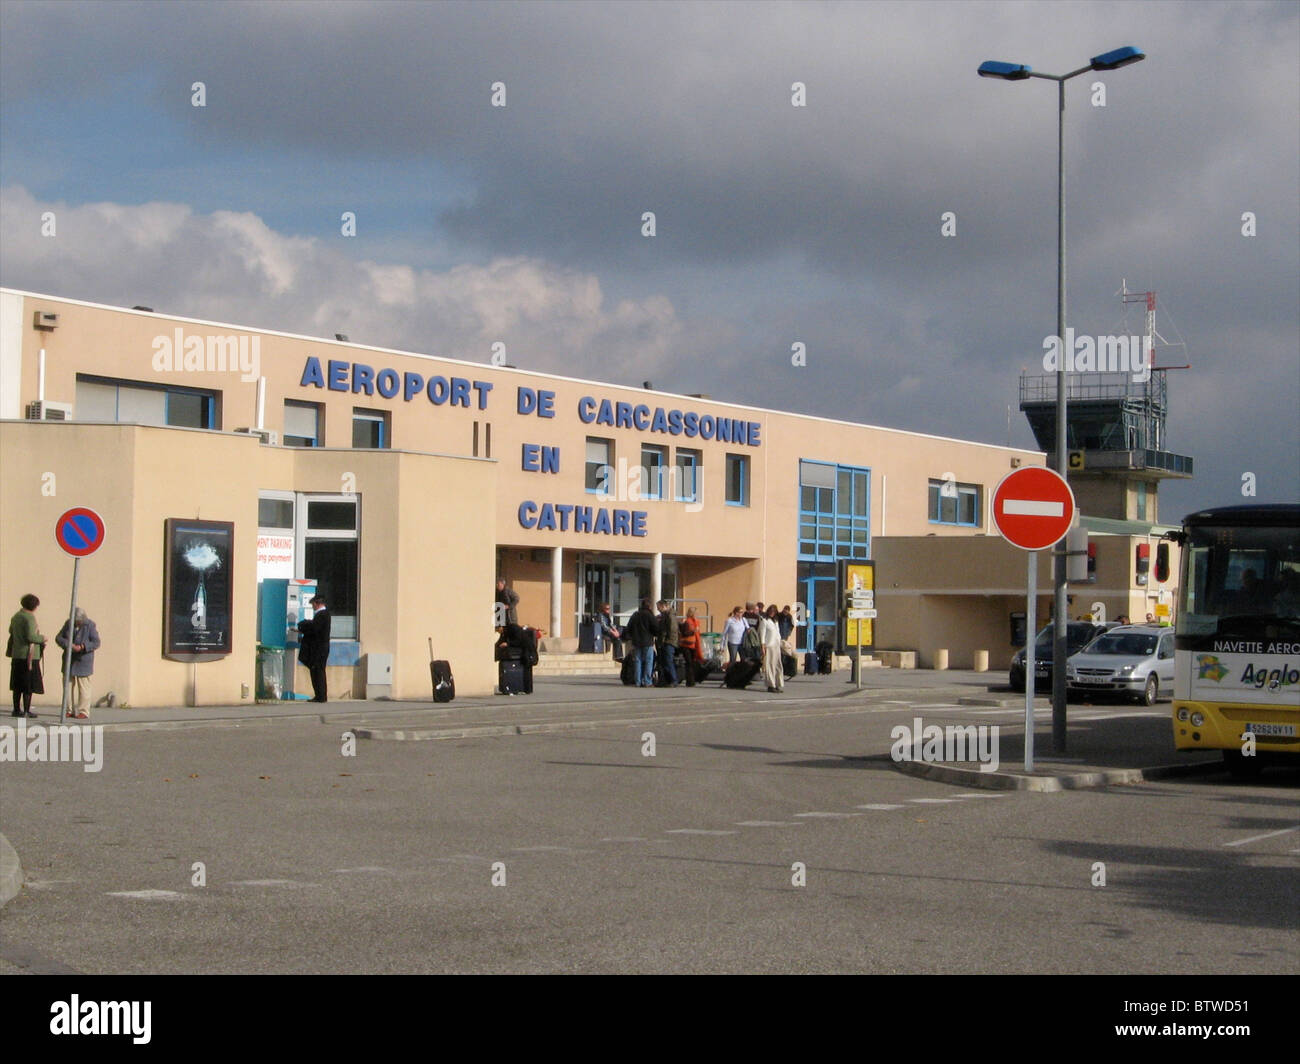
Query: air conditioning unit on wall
{"x": 267, "y": 436}
{"x": 44, "y": 410}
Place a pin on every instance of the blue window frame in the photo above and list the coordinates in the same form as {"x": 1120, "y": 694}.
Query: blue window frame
{"x": 301, "y": 424}
{"x": 654, "y": 463}
{"x": 954, "y": 504}
{"x": 600, "y": 465}
{"x": 737, "y": 480}
{"x": 688, "y": 475}
{"x": 834, "y": 512}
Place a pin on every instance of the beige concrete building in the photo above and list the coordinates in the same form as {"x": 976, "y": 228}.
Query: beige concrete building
{"x": 403, "y": 484}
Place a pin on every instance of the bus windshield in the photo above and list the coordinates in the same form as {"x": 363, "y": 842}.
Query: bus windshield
{"x": 1239, "y": 578}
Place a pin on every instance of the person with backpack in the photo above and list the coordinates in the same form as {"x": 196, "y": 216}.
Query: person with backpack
{"x": 640, "y": 631}
{"x": 689, "y": 640}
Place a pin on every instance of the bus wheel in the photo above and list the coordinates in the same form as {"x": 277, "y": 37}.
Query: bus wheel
{"x": 1240, "y": 766}
{"x": 1152, "y": 691}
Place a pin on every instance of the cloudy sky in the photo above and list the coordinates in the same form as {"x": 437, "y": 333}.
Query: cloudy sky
{"x": 775, "y": 224}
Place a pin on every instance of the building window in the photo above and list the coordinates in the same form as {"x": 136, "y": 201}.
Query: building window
{"x": 688, "y": 475}
{"x": 654, "y": 460}
{"x": 600, "y": 465}
{"x": 370, "y": 428}
{"x": 954, "y": 504}
{"x": 301, "y": 424}
{"x": 329, "y": 532}
{"x": 1141, "y": 494}
{"x": 834, "y": 511}
{"x": 104, "y": 399}
{"x": 737, "y": 480}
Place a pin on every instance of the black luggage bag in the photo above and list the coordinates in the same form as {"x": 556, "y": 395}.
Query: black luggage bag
{"x": 628, "y": 673}
{"x": 444, "y": 686}
{"x": 810, "y": 666}
{"x": 515, "y": 678}
{"x": 824, "y": 651}
{"x": 739, "y": 674}
{"x": 789, "y": 665}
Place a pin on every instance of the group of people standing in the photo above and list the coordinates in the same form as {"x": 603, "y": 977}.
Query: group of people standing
{"x": 759, "y": 633}
{"x": 26, "y": 648}
{"x": 656, "y": 636}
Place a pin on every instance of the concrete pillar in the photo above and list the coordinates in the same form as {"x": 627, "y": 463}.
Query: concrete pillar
{"x": 557, "y": 587}
{"x": 656, "y": 578}
{"x": 981, "y": 661}
{"x": 941, "y": 659}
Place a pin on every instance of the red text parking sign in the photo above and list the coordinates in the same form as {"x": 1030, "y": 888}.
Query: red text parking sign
{"x": 79, "y": 531}
{"x": 1033, "y": 508}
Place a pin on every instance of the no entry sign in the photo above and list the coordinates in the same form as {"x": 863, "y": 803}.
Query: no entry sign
{"x": 79, "y": 531}
{"x": 1033, "y": 508}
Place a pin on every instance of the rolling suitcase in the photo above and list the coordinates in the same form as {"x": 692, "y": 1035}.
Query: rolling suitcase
{"x": 810, "y": 666}
{"x": 515, "y": 678}
{"x": 824, "y": 651}
{"x": 628, "y": 673}
{"x": 789, "y": 665}
{"x": 444, "y": 685}
{"x": 740, "y": 673}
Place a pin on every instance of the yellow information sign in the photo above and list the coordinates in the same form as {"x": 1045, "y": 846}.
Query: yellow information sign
{"x": 859, "y": 576}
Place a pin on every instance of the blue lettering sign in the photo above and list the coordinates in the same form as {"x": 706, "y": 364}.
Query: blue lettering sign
{"x": 586, "y": 410}
{"x": 638, "y": 522}
{"x": 531, "y": 464}
{"x": 412, "y": 385}
{"x": 387, "y": 381}
{"x": 550, "y": 459}
{"x": 311, "y": 374}
{"x": 363, "y": 378}
{"x": 527, "y": 509}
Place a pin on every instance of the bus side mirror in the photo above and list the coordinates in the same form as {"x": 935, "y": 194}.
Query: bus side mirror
{"x": 1162, "y": 562}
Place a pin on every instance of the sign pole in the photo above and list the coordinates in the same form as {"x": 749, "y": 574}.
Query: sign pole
{"x": 1031, "y": 630}
{"x": 859, "y": 665}
{"x": 72, "y": 631}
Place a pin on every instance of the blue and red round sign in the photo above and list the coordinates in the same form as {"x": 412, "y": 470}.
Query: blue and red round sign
{"x": 79, "y": 531}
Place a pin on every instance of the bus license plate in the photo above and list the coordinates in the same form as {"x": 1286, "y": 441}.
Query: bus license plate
{"x": 1272, "y": 729}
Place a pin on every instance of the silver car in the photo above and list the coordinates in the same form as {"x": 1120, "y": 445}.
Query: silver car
{"x": 1136, "y": 660}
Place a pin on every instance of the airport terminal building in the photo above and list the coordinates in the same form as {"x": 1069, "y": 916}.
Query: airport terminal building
{"x": 405, "y": 484}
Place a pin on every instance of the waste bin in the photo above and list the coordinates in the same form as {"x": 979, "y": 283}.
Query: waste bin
{"x": 270, "y": 673}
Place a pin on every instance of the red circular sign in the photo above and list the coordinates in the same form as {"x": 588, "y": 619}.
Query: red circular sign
{"x": 1033, "y": 508}
{"x": 79, "y": 531}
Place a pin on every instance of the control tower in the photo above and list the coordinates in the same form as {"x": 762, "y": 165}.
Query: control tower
{"x": 1115, "y": 431}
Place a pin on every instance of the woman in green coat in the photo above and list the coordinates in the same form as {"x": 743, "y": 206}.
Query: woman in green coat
{"x": 26, "y": 645}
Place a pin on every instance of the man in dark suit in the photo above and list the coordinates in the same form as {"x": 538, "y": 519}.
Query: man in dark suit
{"x": 314, "y": 650}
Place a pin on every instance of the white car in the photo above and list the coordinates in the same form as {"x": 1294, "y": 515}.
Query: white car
{"x": 1135, "y": 660}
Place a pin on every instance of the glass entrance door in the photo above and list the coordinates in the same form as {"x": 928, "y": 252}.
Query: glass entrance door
{"x": 595, "y": 586}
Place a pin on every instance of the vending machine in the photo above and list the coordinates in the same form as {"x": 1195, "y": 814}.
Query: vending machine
{"x": 281, "y": 604}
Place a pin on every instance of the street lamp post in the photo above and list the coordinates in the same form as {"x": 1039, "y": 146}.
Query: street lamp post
{"x": 1120, "y": 57}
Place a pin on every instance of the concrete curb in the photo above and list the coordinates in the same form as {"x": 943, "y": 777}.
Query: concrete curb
{"x": 11, "y": 872}
{"x": 471, "y": 731}
{"x": 1050, "y": 781}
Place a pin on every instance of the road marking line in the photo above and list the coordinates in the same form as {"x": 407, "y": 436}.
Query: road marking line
{"x": 827, "y": 816}
{"x": 624, "y": 838}
{"x": 364, "y": 868}
{"x": 931, "y": 801}
{"x": 770, "y": 823}
{"x": 699, "y": 831}
{"x": 269, "y": 883}
{"x": 149, "y": 895}
{"x": 1266, "y": 835}
{"x": 1033, "y": 507}
{"x": 879, "y": 806}
{"x": 540, "y": 849}
{"x": 979, "y": 795}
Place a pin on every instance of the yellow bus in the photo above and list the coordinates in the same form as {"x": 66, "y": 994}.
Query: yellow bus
{"x": 1237, "y": 648}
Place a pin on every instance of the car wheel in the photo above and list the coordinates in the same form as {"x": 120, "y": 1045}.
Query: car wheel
{"x": 1151, "y": 691}
{"x": 1241, "y": 766}
{"x": 1018, "y": 686}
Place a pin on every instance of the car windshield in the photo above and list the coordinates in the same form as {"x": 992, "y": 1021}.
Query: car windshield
{"x": 1129, "y": 644}
{"x": 1076, "y": 636}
